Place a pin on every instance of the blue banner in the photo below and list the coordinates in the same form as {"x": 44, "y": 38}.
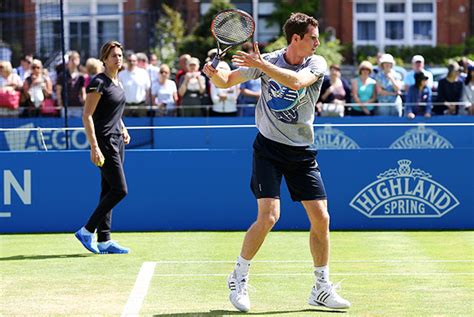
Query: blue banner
{"x": 202, "y": 189}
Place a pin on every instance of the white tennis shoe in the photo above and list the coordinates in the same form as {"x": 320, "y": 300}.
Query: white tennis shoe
{"x": 239, "y": 295}
{"x": 326, "y": 295}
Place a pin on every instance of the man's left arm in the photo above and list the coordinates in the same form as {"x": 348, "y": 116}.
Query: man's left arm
{"x": 286, "y": 77}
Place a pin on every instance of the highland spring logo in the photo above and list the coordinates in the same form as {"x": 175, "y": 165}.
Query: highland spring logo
{"x": 333, "y": 139}
{"x": 404, "y": 192}
{"x": 421, "y": 138}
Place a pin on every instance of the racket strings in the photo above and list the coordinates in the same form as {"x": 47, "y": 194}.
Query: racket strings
{"x": 233, "y": 28}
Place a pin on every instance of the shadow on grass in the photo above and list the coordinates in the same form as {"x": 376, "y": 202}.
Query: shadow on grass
{"x": 45, "y": 257}
{"x": 233, "y": 312}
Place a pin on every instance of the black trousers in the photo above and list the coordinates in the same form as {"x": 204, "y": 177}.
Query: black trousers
{"x": 113, "y": 185}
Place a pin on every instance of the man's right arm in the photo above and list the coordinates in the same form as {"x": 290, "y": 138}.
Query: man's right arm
{"x": 222, "y": 78}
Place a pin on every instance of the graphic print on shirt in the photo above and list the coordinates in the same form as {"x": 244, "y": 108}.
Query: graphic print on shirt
{"x": 284, "y": 102}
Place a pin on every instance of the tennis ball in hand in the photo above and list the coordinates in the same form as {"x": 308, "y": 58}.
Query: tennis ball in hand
{"x": 101, "y": 162}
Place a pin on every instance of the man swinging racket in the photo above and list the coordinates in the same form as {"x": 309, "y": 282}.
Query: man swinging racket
{"x": 291, "y": 83}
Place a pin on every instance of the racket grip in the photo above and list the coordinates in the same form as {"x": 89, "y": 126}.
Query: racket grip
{"x": 215, "y": 61}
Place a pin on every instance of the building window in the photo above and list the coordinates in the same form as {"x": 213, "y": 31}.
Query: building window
{"x": 88, "y": 24}
{"x": 394, "y": 30}
{"x": 422, "y": 7}
{"x": 108, "y": 30}
{"x": 394, "y": 7}
{"x": 51, "y": 37}
{"x": 366, "y": 7}
{"x": 366, "y": 31}
{"x": 79, "y": 37}
{"x": 422, "y": 30}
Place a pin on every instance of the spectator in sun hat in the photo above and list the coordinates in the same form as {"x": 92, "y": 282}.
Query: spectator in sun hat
{"x": 363, "y": 91}
{"x": 389, "y": 87}
{"x": 418, "y": 65}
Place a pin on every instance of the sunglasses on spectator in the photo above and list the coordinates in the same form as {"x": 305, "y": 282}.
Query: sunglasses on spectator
{"x": 163, "y": 72}
{"x": 35, "y": 67}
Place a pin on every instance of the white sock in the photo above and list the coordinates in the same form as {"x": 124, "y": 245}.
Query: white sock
{"x": 242, "y": 266}
{"x": 322, "y": 274}
{"x": 84, "y": 231}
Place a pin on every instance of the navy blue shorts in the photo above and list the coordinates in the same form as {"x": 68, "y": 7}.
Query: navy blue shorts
{"x": 272, "y": 160}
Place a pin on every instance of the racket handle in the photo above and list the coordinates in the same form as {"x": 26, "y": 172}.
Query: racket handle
{"x": 215, "y": 61}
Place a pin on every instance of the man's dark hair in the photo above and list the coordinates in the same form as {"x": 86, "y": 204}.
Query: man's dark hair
{"x": 298, "y": 24}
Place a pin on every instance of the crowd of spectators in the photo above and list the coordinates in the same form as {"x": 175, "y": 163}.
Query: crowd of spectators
{"x": 153, "y": 89}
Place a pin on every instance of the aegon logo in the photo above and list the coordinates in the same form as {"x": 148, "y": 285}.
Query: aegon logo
{"x": 421, "y": 138}
{"x": 329, "y": 138}
{"x": 53, "y": 139}
{"x": 23, "y": 192}
{"x": 404, "y": 193}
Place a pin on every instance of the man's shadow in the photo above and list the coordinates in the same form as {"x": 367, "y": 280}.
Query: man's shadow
{"x": 233, "y": 312}
{"x": 45, "y": 257}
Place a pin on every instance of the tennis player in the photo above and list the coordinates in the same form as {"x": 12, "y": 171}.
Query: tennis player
{"x": 291, "y": 83}
{"x": 107, "y": 136}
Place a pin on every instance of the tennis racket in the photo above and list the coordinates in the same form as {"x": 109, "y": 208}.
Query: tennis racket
{"x": 231, "y": 27}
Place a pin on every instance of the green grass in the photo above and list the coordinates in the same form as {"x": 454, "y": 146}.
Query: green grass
{"x": 384, "y": 273}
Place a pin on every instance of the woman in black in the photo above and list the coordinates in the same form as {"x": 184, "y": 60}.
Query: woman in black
{"x": 107, "y": 136}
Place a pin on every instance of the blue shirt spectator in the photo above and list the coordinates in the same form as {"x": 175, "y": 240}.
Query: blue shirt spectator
{"x": 419, "y": 97}
{"x": 418, "y": 65}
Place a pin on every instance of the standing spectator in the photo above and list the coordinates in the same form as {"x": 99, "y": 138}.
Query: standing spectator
{"x": 8, "y": 78}
{"x": 37, "y": 88}
{"x": 250, "y": 90}
{"x": 389, "y": 87}
{"x": 224, "y": 99}
{"x": 93, "y": 67}
{"x": 468, "y": 92}
{"x": 24, "y": 70}
{"x": 191, "y": 88}
{"x": 363, "y": 91}
{"x": 154, "y": 60}
{"x": 10, "y": 90}
{"x": 76, "y": 88}
{"x": 107, "y": 136}
{"x": 335, "y": 92}
{"x": 183, "y": 69}
{"x": 418, "y": 65}
{"x": 449, "y": 92}
{"x": 152, "y": 72}
{"x": 136, "y": 85}
{"x": 165, "y": 93}
{"x": 419, "y": 97}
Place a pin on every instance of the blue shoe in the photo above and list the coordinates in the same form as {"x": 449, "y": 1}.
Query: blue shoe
{"x": 87, "y": 241}
{"x": 112, "y": 247}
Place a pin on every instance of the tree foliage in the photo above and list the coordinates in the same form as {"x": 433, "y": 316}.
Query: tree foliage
{"x": 284, "y": 8}
{"x": 169, "y": 33}
{"x": 201, "y": 40}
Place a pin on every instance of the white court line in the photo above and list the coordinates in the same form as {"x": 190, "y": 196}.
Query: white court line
{"x": 333, "y": 274}
{"x": 140, "y": 289}
{"x": 308, "y": 261}
{"x": 5, "y": 214}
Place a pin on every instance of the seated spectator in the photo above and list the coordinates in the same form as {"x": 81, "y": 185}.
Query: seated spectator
{"x": 389, "y": 86}
{"x": 192, "y": 87}
{"x": 335, "y": 92}
{"x": 164, "y": 93}
{"x": 363, "y": 91}
{"x": 418, "y": 65}
{"x": 449, "y": 92}
{"x": 224, "y": 99}
{"x": 419, "y": 97}
{"x": 76, "y": 88}
{"x": 37, "y": 88}
{"x": 136, "y": 84}
{"x": 249, "y": 91}
{"x": 468, "y": 92}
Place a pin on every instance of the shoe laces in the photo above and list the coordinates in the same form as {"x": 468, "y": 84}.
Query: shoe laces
{"x": 242, "y": 285}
